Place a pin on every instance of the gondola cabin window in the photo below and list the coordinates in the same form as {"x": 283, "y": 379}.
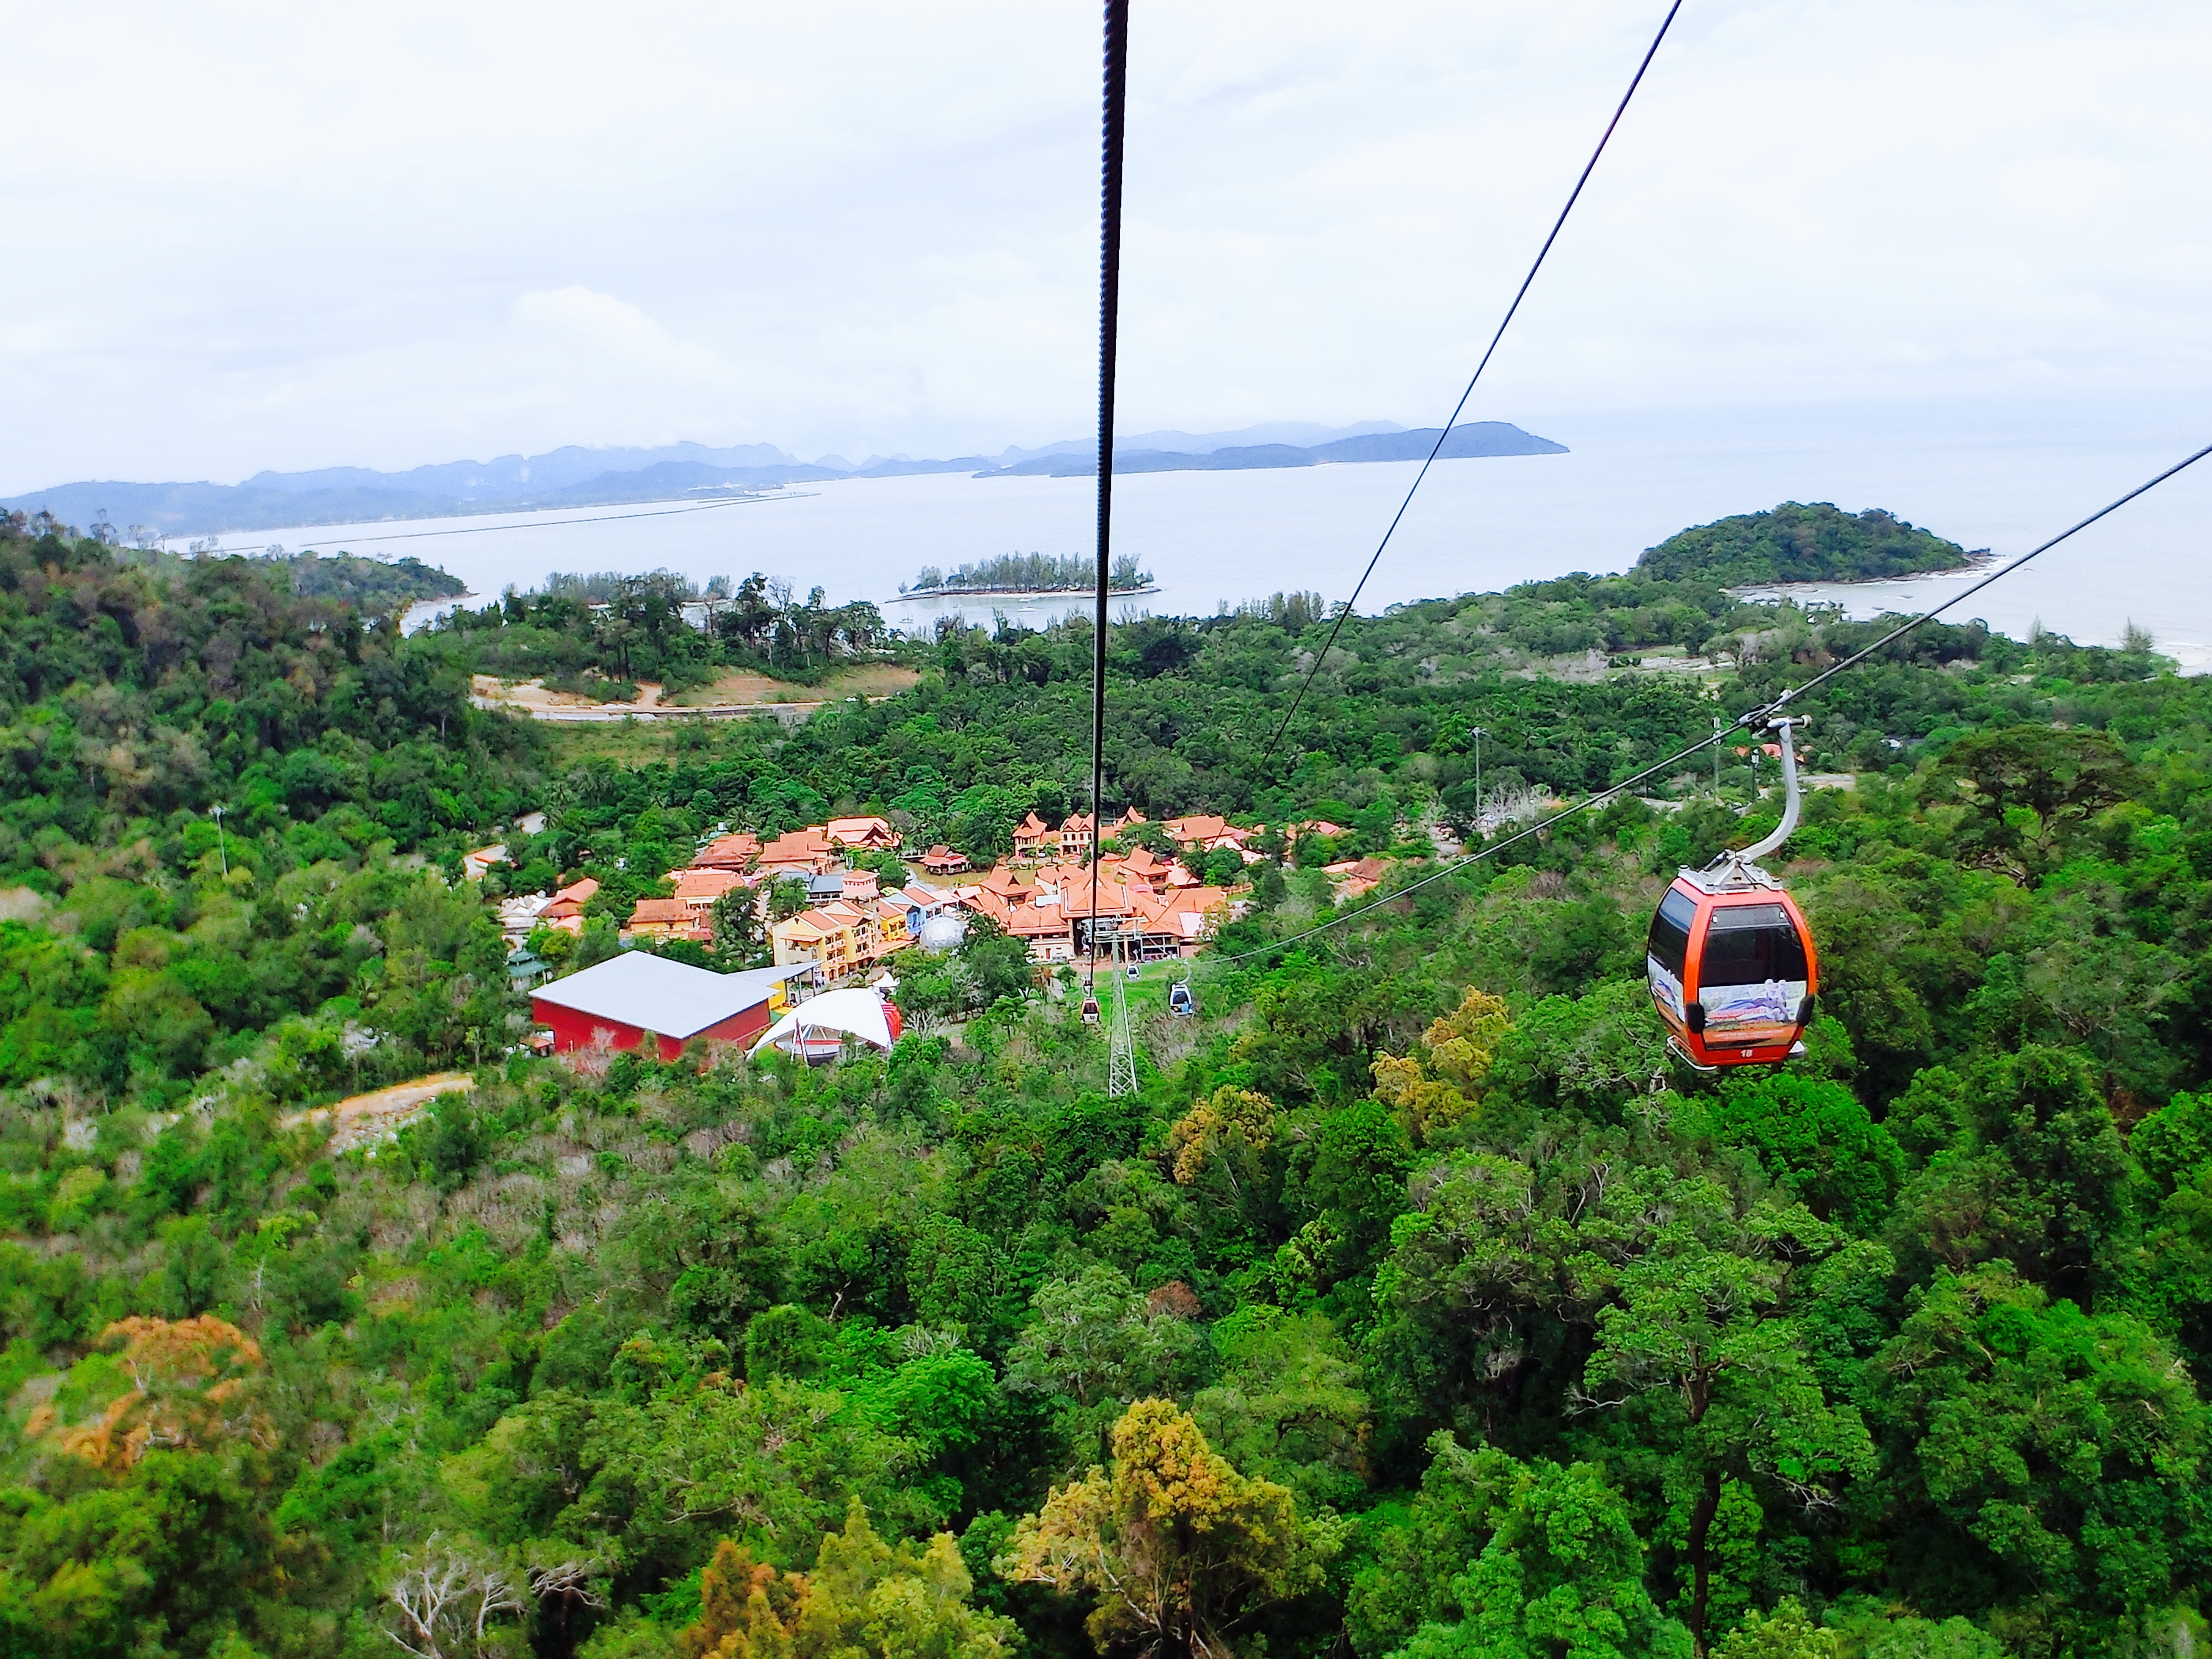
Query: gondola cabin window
{"x": 1668, "y": 949}
{"x": 1749, "y": 944}
{"x": 1752, "y": 971}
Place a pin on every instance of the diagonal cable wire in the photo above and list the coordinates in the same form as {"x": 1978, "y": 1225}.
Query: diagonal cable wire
{"x": 1459, "y": 407}
{"x": 1903, "y": 629}
{"x": 1752, "y": 718}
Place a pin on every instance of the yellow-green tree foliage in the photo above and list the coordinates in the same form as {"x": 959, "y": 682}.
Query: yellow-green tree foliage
{"x": 195, "y": 1386}
{"x": 1787, "y": 1633}
{"x": 866, "y": 1599}
{"x": 1433, "y": 1095}
{"x": 1180, "y": 1549}
{"x": 1230, "y": 1129}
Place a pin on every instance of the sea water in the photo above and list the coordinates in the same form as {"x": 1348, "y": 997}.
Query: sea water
{"x": 1211, "y": 539}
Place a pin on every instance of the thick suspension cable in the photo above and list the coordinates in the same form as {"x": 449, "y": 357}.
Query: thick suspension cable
{"x": 1902, "y": 629}
{"x": 1458, "y": 409}
{"x": 1110, "y": 314}
{"x": 1749, "y": 719}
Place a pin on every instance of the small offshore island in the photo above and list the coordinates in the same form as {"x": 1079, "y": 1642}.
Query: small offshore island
{"x": 1025, "y": 574}
{"x": 1796, "y": 544}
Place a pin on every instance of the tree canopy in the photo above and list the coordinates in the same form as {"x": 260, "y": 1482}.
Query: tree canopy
{"x": 1414, "y": 1304}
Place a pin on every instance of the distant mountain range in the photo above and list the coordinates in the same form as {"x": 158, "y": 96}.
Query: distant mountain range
{"x": 1477, "y": 438}
{"x": 576, "y": 477}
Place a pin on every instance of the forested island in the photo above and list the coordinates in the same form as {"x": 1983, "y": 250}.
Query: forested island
{"x": 1029, "y": 572}
{"x": 1414, "y": 1308}
{"x": 1795, "y": 543}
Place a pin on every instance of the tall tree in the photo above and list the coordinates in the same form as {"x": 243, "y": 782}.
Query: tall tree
{"x": 1179, "y": 1550}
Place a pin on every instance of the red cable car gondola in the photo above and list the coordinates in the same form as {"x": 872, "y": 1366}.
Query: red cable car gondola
{"x": 1730, "y": 960}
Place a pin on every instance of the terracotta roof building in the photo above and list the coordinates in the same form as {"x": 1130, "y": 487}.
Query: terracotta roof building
{"x": 664, "y": 918}
{"x": 697, "y": 889}
{"x": 566, "y": 909}
{"x": 476, "y": 865}
{"x": 800, "y": 851}
{"x": 828, "y": 936}
{"x": 863, "y": 835}
{"x": 1203, "y": 830}
{"x": 735, "y": 852}
{"x": 1355, "y": 877}
{"x": 1032, "y": 841}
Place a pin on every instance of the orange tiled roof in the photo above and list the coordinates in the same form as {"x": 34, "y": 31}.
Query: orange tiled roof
{"x": 705, "y": 885}
{"x": 856, "y": 832}
{"x": 1205, "y": 827}
{"x": 733, "y": 851}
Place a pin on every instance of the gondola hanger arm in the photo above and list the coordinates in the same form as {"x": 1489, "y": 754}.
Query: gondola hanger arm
{"x": 1790, "y": 799}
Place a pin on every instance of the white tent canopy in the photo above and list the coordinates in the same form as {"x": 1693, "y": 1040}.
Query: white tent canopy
{"x": 861, "y": 1013}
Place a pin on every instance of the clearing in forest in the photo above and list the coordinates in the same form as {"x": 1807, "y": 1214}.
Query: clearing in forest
{"x": 360, "y": 1120}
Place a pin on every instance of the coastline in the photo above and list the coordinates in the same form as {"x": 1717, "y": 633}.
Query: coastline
{"x": 1980, "y": 563}
{"x": 1019, "y": 593}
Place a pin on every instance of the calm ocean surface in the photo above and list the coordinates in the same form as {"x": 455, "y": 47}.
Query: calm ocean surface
{"x": 1477, "y": 524}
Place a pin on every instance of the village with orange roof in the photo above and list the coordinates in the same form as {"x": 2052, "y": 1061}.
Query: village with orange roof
{"x": 1051, "y": 893}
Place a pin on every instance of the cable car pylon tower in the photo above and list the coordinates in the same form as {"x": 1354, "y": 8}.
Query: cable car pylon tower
{"x": 1120, "y": 1046}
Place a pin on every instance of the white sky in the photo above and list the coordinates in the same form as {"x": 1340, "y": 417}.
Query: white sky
{"x": 275, "y": 235}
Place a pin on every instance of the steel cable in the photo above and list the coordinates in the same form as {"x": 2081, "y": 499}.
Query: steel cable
{"x": 1742, "y": 722}
{"x": 1109, "y": 315}
{"x": 1558, "y": 225}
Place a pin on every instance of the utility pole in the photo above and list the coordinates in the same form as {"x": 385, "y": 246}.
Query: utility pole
{"x": 221, "y": 851}
{"x": 1121, "y": 1048}
{"x": 1717, "y": 757}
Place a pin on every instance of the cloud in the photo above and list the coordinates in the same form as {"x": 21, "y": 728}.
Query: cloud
{"x": 614, "y": 329}
{"x": 872, "y": 228}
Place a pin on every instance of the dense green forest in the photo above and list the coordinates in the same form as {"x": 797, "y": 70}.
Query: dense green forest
{"x": 1795, "y": 543}
{"x": 1415, "y": 1307}
{"x": 602, "y": 634}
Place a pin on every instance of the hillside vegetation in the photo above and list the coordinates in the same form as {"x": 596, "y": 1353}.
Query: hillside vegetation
{"x": 1414, "y": 1308}
{"x": 373, "y": 586}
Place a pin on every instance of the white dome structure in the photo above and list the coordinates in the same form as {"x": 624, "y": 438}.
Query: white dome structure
{"x": 944, "y": 932}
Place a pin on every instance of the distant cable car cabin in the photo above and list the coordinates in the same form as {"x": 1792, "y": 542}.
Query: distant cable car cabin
{"x": 1730, "y": 959}
{"x": 1179, "y": 998}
